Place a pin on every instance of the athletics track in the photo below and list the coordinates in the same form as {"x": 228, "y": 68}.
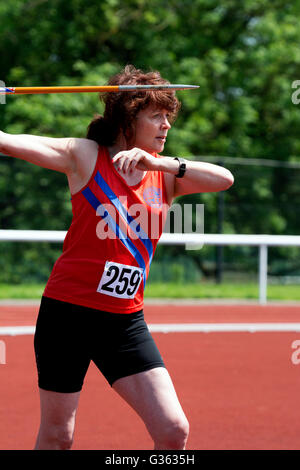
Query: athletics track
{"x": 233, "y": 366}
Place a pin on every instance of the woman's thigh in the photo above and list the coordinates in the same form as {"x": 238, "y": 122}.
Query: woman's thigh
{"x": 58, "y": 412}
{"x": 58, "y": 409}
{"x": 152, "y": 395}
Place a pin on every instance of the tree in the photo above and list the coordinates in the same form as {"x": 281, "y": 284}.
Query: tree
{"x": 244, "y": 56}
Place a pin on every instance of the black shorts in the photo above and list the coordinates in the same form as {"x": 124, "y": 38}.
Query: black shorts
{"x": 69, "y": 336}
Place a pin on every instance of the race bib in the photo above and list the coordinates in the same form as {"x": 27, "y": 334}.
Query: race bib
{"x": 120, "y": 280}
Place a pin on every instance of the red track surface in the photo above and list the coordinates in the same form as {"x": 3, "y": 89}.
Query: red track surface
{"x": 239, "y": 390}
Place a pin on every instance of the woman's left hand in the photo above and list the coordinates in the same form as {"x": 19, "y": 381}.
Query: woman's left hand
{"x": 128, "y": 160}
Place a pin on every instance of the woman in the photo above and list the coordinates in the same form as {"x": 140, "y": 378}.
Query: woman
{"x": 95, "y": 291}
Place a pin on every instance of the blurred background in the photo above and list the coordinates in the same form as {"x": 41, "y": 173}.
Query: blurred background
{"x": 245, "y": 57}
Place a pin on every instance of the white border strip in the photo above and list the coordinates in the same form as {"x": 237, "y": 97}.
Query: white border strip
{"x": 223, "y": 327}
{"x": 183, "y": 328}
{"x": 16, "y": 330}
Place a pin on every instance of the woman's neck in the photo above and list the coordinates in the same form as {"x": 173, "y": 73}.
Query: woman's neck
{"x": 118, "y": 146}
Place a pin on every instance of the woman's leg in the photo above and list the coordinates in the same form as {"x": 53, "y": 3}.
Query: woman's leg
{"x": 152, "y": 395}
{"x": 58, "y": 411}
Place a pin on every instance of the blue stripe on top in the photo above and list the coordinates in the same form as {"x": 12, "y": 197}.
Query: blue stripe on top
{"x": 95, "y": 203}
{"x": 125, "y": 215}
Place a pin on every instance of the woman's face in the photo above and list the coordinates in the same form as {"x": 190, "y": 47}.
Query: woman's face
{"x": 151, "y": 129}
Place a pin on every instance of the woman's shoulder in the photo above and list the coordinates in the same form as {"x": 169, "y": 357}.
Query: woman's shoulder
{"x": 81, "y": 146}
{"x": 84, "y": 154}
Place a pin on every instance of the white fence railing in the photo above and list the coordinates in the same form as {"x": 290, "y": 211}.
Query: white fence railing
{"x": 188, "y": 239}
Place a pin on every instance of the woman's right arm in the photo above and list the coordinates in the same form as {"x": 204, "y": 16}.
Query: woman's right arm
{"x": 54, "y": 153}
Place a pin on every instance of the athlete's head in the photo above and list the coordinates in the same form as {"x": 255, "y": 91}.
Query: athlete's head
{"x": 122, "y": 108}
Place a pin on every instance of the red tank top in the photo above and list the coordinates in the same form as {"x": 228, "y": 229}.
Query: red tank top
{"x": 111, "y": 241}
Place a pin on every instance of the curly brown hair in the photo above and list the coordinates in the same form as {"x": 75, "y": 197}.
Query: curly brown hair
{"x": 121, "y": 108}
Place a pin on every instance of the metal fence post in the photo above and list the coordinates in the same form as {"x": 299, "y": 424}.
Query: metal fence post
{"x": 263, "y": 273}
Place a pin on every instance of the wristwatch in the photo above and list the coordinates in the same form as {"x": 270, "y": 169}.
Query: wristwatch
{"x": 182, "y": 167}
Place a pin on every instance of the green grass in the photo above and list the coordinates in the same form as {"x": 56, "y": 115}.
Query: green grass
{"x": 21, "y": 291}
{"x": 244, "y": 291}
{"x": 203, "y": 290}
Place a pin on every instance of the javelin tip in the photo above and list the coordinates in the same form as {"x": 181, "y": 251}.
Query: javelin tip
{"x": 156, "y": 87}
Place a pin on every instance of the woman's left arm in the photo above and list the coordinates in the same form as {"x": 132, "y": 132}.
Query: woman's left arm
{"x": 199, "y": 177}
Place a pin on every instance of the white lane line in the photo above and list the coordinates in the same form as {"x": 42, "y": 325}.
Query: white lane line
{"x": 16, "y": 330}
{"x": 182, "y": 328}
{"x": 224, "y": 327}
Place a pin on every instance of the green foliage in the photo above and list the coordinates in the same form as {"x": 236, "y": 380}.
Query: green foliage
{"x": 244, "y": 55}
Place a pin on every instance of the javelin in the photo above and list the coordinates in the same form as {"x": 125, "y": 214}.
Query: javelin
{"x": 88, "y": 89}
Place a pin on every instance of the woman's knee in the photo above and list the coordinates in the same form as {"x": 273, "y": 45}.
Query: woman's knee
{"x": 55, "y": 437}
{"x": 173, "y": 435}
{"x": 58, "y": 411}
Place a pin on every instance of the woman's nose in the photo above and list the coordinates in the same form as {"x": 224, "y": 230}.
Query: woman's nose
{"x": 166, "y": 124}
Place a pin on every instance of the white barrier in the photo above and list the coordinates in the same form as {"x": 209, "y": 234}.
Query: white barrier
{"x": 261, "y": 241}
{"x": 189, "y": 239}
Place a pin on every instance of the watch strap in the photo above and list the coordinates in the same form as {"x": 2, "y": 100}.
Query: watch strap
{"x": 182, "y": 167}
